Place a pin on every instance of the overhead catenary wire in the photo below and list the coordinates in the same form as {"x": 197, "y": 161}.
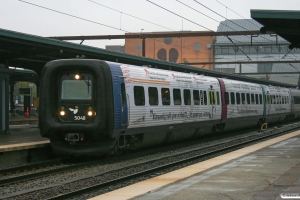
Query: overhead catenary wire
{"x": 91, "y": 21}
{"x": 87, "y": 20}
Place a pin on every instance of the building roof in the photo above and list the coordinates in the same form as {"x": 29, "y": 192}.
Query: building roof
{"x": 285, "y": 23}
{"x": 244, "y": 25}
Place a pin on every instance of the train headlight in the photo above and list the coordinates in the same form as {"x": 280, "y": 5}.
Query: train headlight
{"x": 90, "y": 113}
{"x": 77, "y": 76}
{"x": 62, "y": 113}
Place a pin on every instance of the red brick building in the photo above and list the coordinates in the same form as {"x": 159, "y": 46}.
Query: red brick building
{"x": 174, "y": 49}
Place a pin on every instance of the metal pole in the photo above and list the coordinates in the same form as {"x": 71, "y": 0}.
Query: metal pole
{"x": 144, "y": 47}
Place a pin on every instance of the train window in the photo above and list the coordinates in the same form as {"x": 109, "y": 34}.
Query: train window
{"x": 153, "y": 96}
{"x": 165, "y": 96}
{"x": 139, "y": 95}
{"x": 76, "y": 89}
{"x": 238, "y": 98}
{"x": 212, "y": 98}
{"x": 218, "y": 98}
{"x": 243, "y": 98}
{"x": 232, "y": 98}
{"x": 268, "y": 99}
{"x": 123, "y": 93}
{"x": 260, "y": 99}
{"x": 272, "y": 99}
{"x": 252, "y": 99}
{"x": 256, "y": 99}
{"x": 296, "y": 100}
{"x": 201, "y": 97}
{"x": 196, "y": 97}
{"x": 288, "y": 99}
{"x": 205, "y": 97}
{"x": 208, "y": 97}
{"x": 248, "y": 98}
{"x": 187, "y": 97}
{"x": 177, "y": 96}
{"x": 226, "y": 98}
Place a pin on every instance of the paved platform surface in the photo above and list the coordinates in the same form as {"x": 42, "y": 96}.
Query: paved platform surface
{"x": 263, "y": 171}
{"x": 22, "y": 137}
{"x": 18, "y": 120}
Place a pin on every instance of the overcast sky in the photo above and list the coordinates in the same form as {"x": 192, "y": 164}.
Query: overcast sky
{"x": 23, "y": 16}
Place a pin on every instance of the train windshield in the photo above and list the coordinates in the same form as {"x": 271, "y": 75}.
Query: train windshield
{"x": 76, "y": 89}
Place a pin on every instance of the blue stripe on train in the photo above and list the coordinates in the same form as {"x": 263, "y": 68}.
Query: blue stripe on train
{"x": 117, "y": 79}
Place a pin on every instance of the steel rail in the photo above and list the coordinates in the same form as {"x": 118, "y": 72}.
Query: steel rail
{"x": 163, "y": 167}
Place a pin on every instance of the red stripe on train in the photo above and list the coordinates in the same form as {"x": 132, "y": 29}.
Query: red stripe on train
{"x": 224, "y": 105}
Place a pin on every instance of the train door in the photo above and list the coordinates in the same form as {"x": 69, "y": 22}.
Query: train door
{"x": 212, "y": 102}
{"x": 124, "y": 107}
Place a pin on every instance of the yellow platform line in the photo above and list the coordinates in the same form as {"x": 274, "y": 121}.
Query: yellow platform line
{"x": 21, "y": 146}
{"x": 155, "y": 183}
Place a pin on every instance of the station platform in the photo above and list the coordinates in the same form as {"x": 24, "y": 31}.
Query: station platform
{"x": 22, "y": 137}
{"x": 268, "y": 170}
{"x": 22, "y": 145}
{"x": 18, "y": 120}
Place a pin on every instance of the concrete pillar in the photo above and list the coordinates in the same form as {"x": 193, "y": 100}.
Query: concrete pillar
{"x": 4, "y": 101}
{"x": 11, "y": 97}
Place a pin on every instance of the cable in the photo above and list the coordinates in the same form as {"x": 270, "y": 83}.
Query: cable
{"x": 238, "y": 14}
{"x": 73, "y": 16}
{"x": 130, "y": 15}
{"x": 223, "y": 16}
{"x": 90, "y": 21}
{"x": 186, "y": 18}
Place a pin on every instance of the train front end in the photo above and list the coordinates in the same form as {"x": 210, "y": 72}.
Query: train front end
{"x": 75, "y": 106}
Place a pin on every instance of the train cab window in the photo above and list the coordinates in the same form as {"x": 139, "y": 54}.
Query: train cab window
{"x": 205, "y": 97}
{"x": 73, "y": 89}
{"x": 187, "y": 97}
{"x": 226, "y": 98}
{"x": 123, "y": 93}
{"x": 218, "y": 98}
{"x": 260, "y": 99}
{"x": 153, "y": 96}
{"x": 248, "y": 98}
{"x": 256, "y": 99}
{"x": 196, "y": 97}
{"x": 165, "y": 96}
{"x": 139, "y": 95}
{"x": 177, "y": 96}
{"x": 252, "y": 99}
{"x": 232, "y": 98}
{"x": 238, "y": 98}
{"x": 243, "y": 98}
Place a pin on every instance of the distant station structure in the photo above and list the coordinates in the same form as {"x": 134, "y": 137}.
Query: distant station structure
{"x": 32, "y": 52}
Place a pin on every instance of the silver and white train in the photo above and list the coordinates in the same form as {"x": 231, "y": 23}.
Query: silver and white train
{"x": 92, "y": 107}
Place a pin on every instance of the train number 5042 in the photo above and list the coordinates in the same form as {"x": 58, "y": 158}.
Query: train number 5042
{"x": 79, "y": 117}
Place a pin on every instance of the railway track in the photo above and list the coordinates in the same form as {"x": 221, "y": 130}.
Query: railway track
{"x": 120, "y": 175}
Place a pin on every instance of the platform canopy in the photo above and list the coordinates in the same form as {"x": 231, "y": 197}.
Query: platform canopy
{"x": 33, "y": 52}
{"x": 285, "y": 23}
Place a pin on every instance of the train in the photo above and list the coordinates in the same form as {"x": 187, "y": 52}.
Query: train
{"x": 96, "y": 107}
